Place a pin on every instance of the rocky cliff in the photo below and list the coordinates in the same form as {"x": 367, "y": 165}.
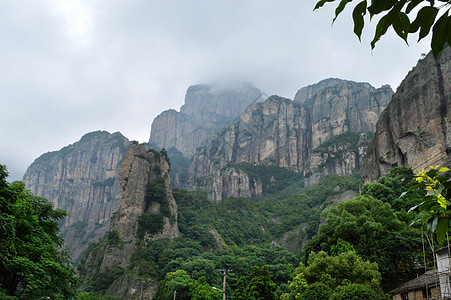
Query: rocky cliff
{"x": 415, "y": 129}
{"x": 207, "y": 108}
{"x": 83, "y": 179}
{"x": 148, "y": 212}
{"x": 332, "y": 116}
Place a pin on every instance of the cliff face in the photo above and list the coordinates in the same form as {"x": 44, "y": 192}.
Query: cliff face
{"x": 415, "y": 129}
{"x": 148, "y": 211}
{"x": 207, "y": 108}
{"x": 285, "y": 133}
{"x": 83, "y": 179}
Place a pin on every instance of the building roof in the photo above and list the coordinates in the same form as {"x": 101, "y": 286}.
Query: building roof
{"x": 428, "y": 279}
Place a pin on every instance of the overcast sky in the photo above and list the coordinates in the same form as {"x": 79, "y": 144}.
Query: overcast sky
{"x": 74, "y": 66}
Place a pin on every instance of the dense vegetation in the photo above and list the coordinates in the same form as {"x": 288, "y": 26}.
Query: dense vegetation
{"x": 32, "y": 265}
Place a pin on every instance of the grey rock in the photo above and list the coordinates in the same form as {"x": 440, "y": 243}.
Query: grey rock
{"x": 415, "y": 129}
{"x": 82, "y": 179}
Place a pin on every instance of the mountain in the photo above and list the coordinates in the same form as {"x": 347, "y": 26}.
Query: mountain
{"x": 415, "y": 129}
{"x": 323, "y": 131}
{"x": 207, "y": 108}
{"x": 148, "y": 212}
{"x": 83, "y": 179}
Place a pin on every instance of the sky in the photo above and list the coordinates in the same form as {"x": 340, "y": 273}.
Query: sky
{"x": 74, "y": 66}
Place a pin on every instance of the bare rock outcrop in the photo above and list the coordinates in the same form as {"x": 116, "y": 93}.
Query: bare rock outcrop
{"x": 82, "y": 179}
{"x": 207, "y": 108}
{"x": 415, "y": 129}
{"x": 285, "y": 133}
{"x": 148, "y": 211}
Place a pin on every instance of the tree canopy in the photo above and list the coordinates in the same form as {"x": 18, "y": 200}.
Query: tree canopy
{"x": 32, "y": 265}
{"x": 374, "y": 230}
{"x": 398, "y": 14}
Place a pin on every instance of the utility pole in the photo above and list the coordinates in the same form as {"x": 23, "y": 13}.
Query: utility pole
{"x": 224, "y": 273}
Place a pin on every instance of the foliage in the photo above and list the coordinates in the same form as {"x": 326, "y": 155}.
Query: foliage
{"x": 296, "y": 287}
{"x": 390, "y": 187}
{"x": 149, "y": 223}
{"x": 340, "y": 270}
{"x": 435, "y": 211}
{"x": 259, "y": 285}
{"x": 156, "y": 192}
{"x": 103, "y": 280}
{"x": 396, "y": 14}
{"x": 31, "y": 263}
{"x": 317, "y": 291}
{"x": 273, "y": 178}
{"x": 347, "y": 138}
{"x": 333, "y": 272}
{"x": 356, "y": 292}
{"x": 179, "y": 282}
{"x": 203, "y": 291}
{"x": 93, "y": 296}
{"x": 376, "y": 233}
{"x": 342, "y": 246}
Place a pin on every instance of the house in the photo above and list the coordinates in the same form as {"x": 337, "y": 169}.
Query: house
{"x": 423, "y": 287}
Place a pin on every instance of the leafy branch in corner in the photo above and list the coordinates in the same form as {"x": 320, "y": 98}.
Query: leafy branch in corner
{"x": 435, "y": 208}
{"x": 395, "y": 13}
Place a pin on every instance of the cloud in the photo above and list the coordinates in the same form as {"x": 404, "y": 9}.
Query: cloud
{"x": 73, "y": 66}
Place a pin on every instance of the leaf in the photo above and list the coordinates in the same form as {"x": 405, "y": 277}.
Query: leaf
{"x": 378, "y": 6}
{"x": 443, "y": 170}
{"x": 424, "y": 20}
{"x": 357, "y": 14}
{"x": 321, "y": 3}
{"x": 412, "y": 5}
{"x": 440, "y": 34}
{"x": 442, "y": 228}
{"x": 401, "y": 25}
{"x": 381, "y": 29}
{"x": 340, "y": 8}
{"x": 403, "y": 194}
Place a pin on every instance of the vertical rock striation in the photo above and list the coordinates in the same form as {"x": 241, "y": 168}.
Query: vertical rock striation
{"x": 333, "y": 115}
{"x": 148, "y": 211}
{"x": 415, "y": 129}
{"x": 82, "y": 179}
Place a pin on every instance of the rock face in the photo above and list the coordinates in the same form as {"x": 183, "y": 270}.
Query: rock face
{"x": 83, "y": 179}
{"x": 148, "y": 211}
{"x": 207, "y": 108}
{"x": 415, "y": 129}
{"x": 331, "y": 116}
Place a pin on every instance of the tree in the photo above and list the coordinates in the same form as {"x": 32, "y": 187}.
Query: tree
{"x": 179, "y": 282}
{"x": 326, "y": 273}
{"x": 32, "y": 264}
{"x": 203, "y": 291}
{"x": 435, "y": 211}
{"x": 376, "y": 234}
{"x": 258, "y": 286}
{"x": 396, "y": 14}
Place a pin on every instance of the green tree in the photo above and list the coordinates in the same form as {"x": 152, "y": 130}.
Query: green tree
{"x": 326, "y": 273}
{"x": 259, "y": 285}
{"x": 317, "y": 291}
{"x": 398, "y": 14}
{"x": 203, "y": 291}
{"x": 356, "y": 292}
{"x": 32, "y": 264}
{"x": 376, "y": 233}
{"x": 179, "y": 282}
{"x": 342, "y": 269}
{"x": 435, "y": 211}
